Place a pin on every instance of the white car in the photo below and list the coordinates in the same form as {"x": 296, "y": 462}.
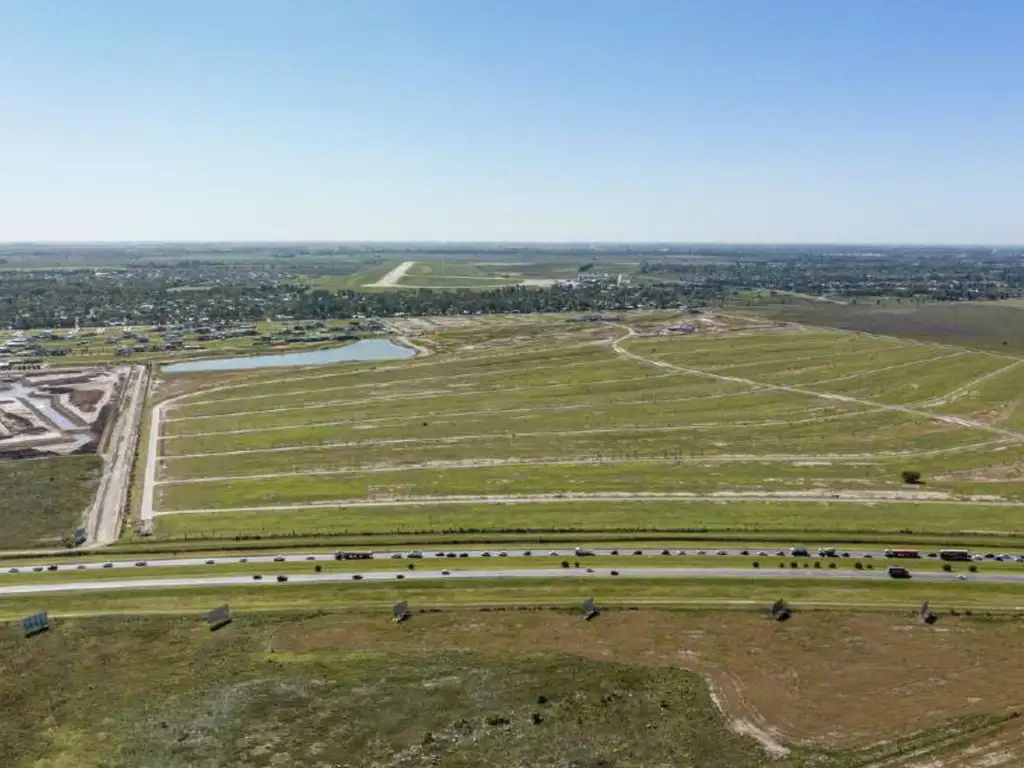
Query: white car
{"x": 961, "y": 577}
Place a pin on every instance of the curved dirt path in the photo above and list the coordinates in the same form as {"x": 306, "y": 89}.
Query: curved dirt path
{"x": 616, "y": 345}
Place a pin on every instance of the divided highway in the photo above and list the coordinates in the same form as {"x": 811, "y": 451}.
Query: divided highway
{"x": 450, "y": 555}
{"x": 528, "y": 573}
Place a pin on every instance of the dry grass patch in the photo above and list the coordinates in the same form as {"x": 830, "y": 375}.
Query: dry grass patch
{"x": 831, "y": 680}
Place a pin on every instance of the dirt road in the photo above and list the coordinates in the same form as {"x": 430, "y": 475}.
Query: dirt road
{"x": 617, "y": 347}
{"x": 103, "y": 521}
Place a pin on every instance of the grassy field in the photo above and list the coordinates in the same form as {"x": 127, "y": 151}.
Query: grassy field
{"x": 44, "y": 499}
{"x": 990, "y": 325}
{"x": 536, "y": 408}
{"x": 538, "y": 688}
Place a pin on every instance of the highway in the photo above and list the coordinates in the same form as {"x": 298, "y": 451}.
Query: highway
{"x": 525, "y": 573}
{"x": 452, "y": 557}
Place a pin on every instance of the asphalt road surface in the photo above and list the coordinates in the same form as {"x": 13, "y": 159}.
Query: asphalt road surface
{"x": 527, "y": 573}
{"x": 452, "y": 557}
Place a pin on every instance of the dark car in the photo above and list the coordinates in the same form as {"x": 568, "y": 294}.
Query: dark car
{"x": 357, "y": 577}
{"x": 257, "y": 577}
{"x": 638, "y": 551}
{"x": 51, "y": 567}
{"x": 399, "y": 575}
{"x": 282, "y": 578}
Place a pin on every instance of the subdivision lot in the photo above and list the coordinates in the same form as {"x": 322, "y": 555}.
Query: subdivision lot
{"x": 563, "y": 411}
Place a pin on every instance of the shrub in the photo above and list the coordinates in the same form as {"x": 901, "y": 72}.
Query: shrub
{"x": 859, "y": 566}
{"x": 317, "y": 568}
{"x": 947, "y": 567}
{"x": 817, "y": 563}
{"x": 755, "y": 564}
{"x": 831, "y": 565}
{"x": 565, "y": 563}
{"x": 911, "y": 476}
{"x": 972, "y": 568}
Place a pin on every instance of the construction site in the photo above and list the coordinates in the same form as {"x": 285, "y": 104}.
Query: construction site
{"x": 57, "y": 412}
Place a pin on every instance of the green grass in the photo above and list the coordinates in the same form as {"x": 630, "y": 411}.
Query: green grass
{"x": 745, "y": 518}
{"x": 44, "y": 498}
{"x": 223, "y": 699}
{"x": 268, "y": 595}
{"x": 518, "y": 406}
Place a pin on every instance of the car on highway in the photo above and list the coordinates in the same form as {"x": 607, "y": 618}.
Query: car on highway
{"x": 799, "y": 552}
{"x": 243, "y": 560}
{"x": 211, "y": 562}
{"x": 614, "y": 552}
{"x": 414, "y": 555}
{"x": 446, "y": 573}
{"x": 744, "y": 552}
{"x": 485, "y": 554}
{"x": 12, "y": 570}
{"x": 590, "y": 570}
{"x": 51, "y": 567}
{"x": 282, "y": 578}
{"x": 80, "y": 567}
{"x": 357, "y": 577}
{"x": 37, "y": 568}
{"x": 310, "y": 557}
{"x": 439, "y": 554}
{"x": 399, "y": 575}
{"x": 701, "y": 552}
{"x": 638, "y": 551}
{"x": 503, "y": 554}
{"x": 721, "y": 552}
{"x": 552, "y": 553}
{"x": 665, "y": 552}
{"x": 461, "y": 554}
{"x": 396, "y": 556}
{"x": 279, "y": 559}
{"x": 613, "y": 573}
{"x": 141, "y": 563}
{"x": 961, "y": 577}
{"x": 527, "y": 553}
{"x": 257, "y": 577}
{"x": 762, "y": 553}
{"x": 108, "y": 565}
{"x": 898, "y": 572}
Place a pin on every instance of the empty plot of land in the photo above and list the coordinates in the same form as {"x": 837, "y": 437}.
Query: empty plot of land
{"x": 709, "y": 417}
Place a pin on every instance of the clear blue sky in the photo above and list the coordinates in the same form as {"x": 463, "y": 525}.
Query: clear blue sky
{"x": 710, "y": 120}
